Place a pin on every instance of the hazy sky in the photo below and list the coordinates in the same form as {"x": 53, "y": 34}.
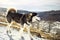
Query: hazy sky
{"x": 31, "y": 5}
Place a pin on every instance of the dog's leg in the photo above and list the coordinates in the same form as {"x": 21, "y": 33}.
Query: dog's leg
{"x": 8, "y": 27}
{"x": 21, "y": 31}
{"x": 28, "y": 30}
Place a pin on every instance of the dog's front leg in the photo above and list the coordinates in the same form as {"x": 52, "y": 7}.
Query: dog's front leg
{"x": 21, "y": 30}
{"x": 28, "y": 30}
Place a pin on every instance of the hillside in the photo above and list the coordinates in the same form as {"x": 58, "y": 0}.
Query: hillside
{"x": 50, "y": 15}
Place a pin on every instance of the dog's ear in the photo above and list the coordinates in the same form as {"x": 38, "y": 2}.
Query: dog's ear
{"x": 30, "y": 14}
{"x": 12, "y": 10}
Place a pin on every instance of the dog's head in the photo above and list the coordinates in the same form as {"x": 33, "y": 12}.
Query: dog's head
{"x": 11, "y": 10}
{"x": 34, "y": 17}
{"x": 30, "y": 16}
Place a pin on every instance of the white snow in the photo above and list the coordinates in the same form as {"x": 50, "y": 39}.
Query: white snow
{"x": 14, "y": 35}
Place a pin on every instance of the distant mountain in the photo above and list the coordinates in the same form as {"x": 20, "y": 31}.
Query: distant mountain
{"x": 50, "y": 15}
{"x": 3, "y": 9}
{"x": 22, "y": 11}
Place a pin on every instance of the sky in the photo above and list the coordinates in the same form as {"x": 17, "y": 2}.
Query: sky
{"x": 31, "y": 5}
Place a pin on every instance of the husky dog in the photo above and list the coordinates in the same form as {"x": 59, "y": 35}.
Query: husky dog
{"x": 12, "y": 15}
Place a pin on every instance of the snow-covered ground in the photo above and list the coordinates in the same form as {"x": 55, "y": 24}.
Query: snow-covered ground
{"x": 14, "y": 35}
{"x": 51, "y": 27}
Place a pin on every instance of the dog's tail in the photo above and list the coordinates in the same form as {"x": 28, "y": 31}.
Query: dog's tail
{"x": 9, "y": 14}
{"x": 12, "y": 10}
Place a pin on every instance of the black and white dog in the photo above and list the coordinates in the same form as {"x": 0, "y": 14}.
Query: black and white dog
{"x": 19, "y": 18}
